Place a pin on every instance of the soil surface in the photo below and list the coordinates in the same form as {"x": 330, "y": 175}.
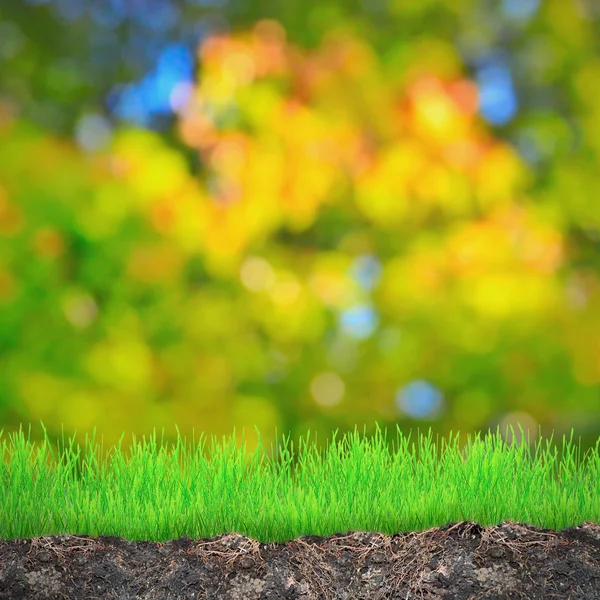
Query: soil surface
{"x": 458, "y": 561}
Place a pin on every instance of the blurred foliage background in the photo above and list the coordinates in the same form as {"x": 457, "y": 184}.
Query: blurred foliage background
{"x": 320, "y": 216}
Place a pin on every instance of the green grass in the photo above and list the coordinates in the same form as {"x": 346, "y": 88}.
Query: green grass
{"x": 356, "y": 486}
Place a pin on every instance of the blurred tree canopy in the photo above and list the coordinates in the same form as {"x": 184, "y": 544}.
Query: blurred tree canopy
{"x": 311, "y": 218}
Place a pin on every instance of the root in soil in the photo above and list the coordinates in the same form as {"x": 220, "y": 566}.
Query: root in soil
{"x": 460, "y": 561}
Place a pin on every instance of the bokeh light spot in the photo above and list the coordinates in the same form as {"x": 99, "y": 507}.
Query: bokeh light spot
{"x": 256, "y": 274}
{"x": 528, "y": 424}
{"x": 520, "y": 9}
{"x": 93, "y": 132}
{"x": 327, "y": 389}
{"x": 366, "y": 270}
{"x": 359, "y": 321}
{"x": 80, "y": 310}
{"x": 343, "y": 354}
{"x": 497, "y": 100}
{"x": 419, "y": 400}
{"x": 154, "y": 94}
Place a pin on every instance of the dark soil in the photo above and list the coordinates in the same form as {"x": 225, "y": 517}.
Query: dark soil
{"x": 459, "y": 561}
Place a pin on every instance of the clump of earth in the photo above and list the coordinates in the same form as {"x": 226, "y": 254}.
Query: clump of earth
{"x": 460, "y": 561}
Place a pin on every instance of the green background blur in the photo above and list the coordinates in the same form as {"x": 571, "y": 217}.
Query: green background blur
{"x": 319, "y": 216}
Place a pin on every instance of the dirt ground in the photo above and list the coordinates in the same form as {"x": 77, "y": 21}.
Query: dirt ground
{"x": 458, "y": 561}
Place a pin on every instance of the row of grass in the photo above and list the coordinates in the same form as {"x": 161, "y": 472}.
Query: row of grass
{"x": 356, "y": 486}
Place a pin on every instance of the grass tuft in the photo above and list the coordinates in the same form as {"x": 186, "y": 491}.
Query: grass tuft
{"x": 358, "y": 486}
